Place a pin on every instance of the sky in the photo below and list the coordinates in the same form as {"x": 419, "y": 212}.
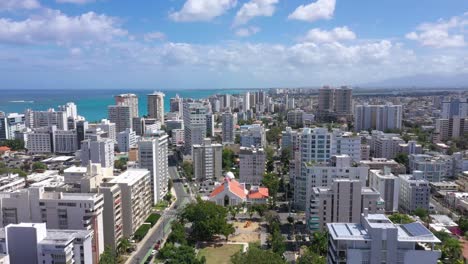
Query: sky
{"x": 211, "y": 44}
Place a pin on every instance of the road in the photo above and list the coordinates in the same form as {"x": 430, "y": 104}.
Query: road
{"x": 163, "y": 227}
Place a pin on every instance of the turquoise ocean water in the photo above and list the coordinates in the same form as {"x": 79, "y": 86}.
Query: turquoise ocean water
{"x": 92, "y": 104}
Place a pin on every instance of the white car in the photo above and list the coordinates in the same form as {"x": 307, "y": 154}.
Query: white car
{"x": 153, "y": 252}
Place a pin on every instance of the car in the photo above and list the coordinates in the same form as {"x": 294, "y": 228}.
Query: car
{"x": 153, "y": 252}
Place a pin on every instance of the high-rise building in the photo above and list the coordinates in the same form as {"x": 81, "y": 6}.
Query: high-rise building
{"x": 156, "y": 106}
{"x": 120, "y": 115}
{"x": 153, "y": 155}
{"x": 375, "y": 239}
{"x": 100, "y": 151}
{"x": 210, "y": 124}
{"x": 449, "y": 128}
{"x": 135, "y": 188}
{"x": 65, "y": 142}
{"x": 379, "y": 117}
{"x": 108, "y": 127}
{"x": 112, "y": 214}
{"x": 252, "y": 163}
{"x": 246, "y": 102}
{"x": 207, "y": 160}
{"x": 126, "y": 140}
{"x": 194, "y": 125}
{"x": 70, "y": 110}
{"x": 388, "y": 185}
{"x": 4, "y": 128}
{"x": 252, "y": 135}
{"x": 228, "y": 120}
{"x": 335, "y": 102}
{"x": 81, "y": 127}
{"x": 48, "y": 118}
{"x": 34, "y": 243}
{"x": 326, "y": 99}
{"x": 456, "y": 107}
{"x": 415, "y": 192}
{"x": 434, "y": 168}
{"x": 342, "y": 202}
{"x": 130, "y": 100}
{"x": 41, "y": 140}
{"x": 176, "y": 105}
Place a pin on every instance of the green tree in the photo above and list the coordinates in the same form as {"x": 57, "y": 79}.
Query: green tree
{"x": 170, "y": 183}
{"x": 255, "y": 255}
{"x": 421, "y": 213}
{"x": 228, "y": 159}
{"x": 123, "y": 246}
{"x": 108, "y": 256}
{"x": 187, "y": 167}
{"x": 13, "y": 144}
{"x": 178, "y": 234}
{"x": 402, "y": 158}
{"x": 311, "y": 257}
{"x": 277, "y": 240}
{"x": 450, "y": 247}
{"x": 319, "y": 243}
{"x": 271, "y": 181}
{"x": 463, "y": 224}
{"x": 207, "y": 218}
{"x": 182, "y": 254}
{"x": 260, "y": 209}
{"x": 39, "y": 166}
{"x": 227, "y": 231}
{"x": 121, "y": 164}
{"x": 398, "y": 218}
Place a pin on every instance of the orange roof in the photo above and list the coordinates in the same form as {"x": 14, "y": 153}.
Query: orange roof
{"x": 261, "y": 193}
{"x": 4, "y": 148}
{"x": 234, "y": 187}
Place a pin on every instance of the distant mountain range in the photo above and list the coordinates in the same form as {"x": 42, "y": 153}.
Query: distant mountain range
{"x": 422, "y": 81}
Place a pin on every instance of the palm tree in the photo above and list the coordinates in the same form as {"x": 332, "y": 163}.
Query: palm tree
{"x": 124, "y": 245}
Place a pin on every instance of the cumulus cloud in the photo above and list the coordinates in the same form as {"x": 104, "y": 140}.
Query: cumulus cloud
{"x": 336, "y": 34}
{"x": 443, "y": 33}
{"x": 79, "y": 2}
{"x": 322, "y": 9}
{"x": 247, "y": 32}
{"x": 151, "y": 36}
{"x": 9, "y": 5}
{"x": 202, "y": 10}
{"x": 55, "y": 27}
{"x": 255, "y": 8}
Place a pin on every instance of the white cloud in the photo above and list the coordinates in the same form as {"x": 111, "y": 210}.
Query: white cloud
{"x": 18, "y": 4}
{"x": 322, "y": 9}
{"x": 336, "y": 34}
{"x": 154, "y": 36}
{"x": 79, "y": 2}
{"x": 254, "y": 8}
{"x": 75, "y": 51}
{"x": 443, "y": 33}
{"x": 246, "y": 32}
{"x": 202, "y": 10}
{"x": 56, "y": 27}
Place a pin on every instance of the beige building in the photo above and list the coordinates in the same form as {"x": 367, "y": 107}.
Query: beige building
{"x": 252, "y": 165}
{"x": 207, "y": 160}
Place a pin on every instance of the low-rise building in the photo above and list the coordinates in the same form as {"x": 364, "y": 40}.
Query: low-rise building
{"x": 230, "y": 193}
{"x": 388, "y": 185}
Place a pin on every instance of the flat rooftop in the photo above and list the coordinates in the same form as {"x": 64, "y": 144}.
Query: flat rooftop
{"x": 130, "y": 176}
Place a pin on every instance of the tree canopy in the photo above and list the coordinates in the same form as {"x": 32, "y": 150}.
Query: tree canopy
{"x": 208, "y": 219}
{"x": 398, "y": 218}
{"x": 179, "y": 254}
{"x": 255, "y": 255}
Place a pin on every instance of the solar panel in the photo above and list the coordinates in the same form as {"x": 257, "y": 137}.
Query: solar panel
{"x": 417, "y": 229}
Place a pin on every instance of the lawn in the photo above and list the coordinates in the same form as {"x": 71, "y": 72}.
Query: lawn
{"x": 219, "y": 254}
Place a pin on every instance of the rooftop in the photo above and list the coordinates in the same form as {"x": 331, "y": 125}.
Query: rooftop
{"x": 130, "y": 176}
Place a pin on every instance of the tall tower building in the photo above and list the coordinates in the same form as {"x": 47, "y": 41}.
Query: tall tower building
{"x": 120, "y": 115}
{"x": 195, "y": 128}
{"x": 130, "y": 100}
{"x": 153, "y": 156}
{"x": 325, "y": 99}
{"x": 101, "y": 151}
{"x": 343, "y": 101}
{"x": 156, "y": 106}
{"x": 228, "y": 126}
{"x": 207, "y": 160}
{"x": 176, "y": 105}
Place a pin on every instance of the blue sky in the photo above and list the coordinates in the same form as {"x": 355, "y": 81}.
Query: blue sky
{"x": 190, "y": 44}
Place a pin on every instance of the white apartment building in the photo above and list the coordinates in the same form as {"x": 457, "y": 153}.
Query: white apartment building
{"x": 385, "y": 145}
{"x": 229, "y": 121}
{"x": 41, "y": 140}
{"x": 37, "y": 119}
{"x": 252, "y": 165}
{"x": 388, "y": 185}
{"x": 120, "y": 115}
{"x": 448, "y": 128}
{"x": 178, "y": 136}
{"x": 434, "y": 168}
{"x": 210, "y": 124}
{"x": 455, "y": 107}
{"x": 153, "y": 155}
{"x": 343, "y": 201}
{"x": 194, "y": 125}
{"x": 414, "y": 192}
{"x": 108, "y": 127}
{"x": 291, "y": 139}
{"x": 252, "y": 135}
{"x": 66, "y": 142}
{"x": 207, "y": 160}
{"x": 156, "y": 106}
{"x": 346, "y": 143}
{"x": 135, "y": 188}
{"x": 375, "y": 239}
{"x": 101, "y": 151}
{"x": 70, "y": 109}
{"x": 112, "y": 214}
{"x": 34, "y": 243}
{"x": 379, "y": 117}
{"x": 126, "y": 140}
{"x": 295, "y": 118}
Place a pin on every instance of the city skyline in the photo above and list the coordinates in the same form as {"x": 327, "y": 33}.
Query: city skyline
{"x": 195, "y": 44}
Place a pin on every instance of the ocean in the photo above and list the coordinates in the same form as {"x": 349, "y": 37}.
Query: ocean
{"x": 92, "y": 104}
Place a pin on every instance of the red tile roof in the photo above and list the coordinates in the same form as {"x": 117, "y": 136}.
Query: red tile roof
{"x": 234, "y": 187}
{"x": 261, "y": 193}
{"x": 4, "y": 148}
